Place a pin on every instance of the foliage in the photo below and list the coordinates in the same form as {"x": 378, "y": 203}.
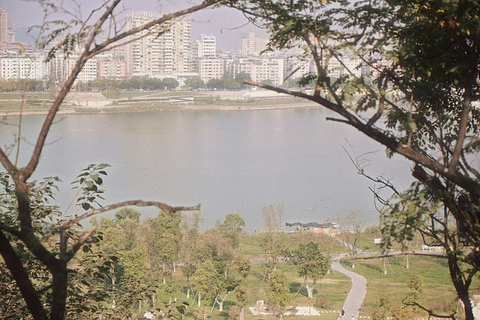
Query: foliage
{"x": 322, "y": 302}
{"x": 226, "y": 82}
{"x": 312, "y": 264}
{"x": 163, "y": 242}
{"x": 406, "y": 76}
{"x": 231, "y": 229}
{"x": 170, "y": 83}
{"x": 31, "y": 227}
{"x": 176, "y": 310}
{"x": 379, "y": 310}
{"x": 279, "y": 291}
{"x": 241, "y": 77}
{"x": 29, "y": 85}
{"x": 206, "y": 280}
{"x": 241, "y": 267}
{"x": 194, "y": 83}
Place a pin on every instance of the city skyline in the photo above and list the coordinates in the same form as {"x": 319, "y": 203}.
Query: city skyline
{"x": 228, "y": 25}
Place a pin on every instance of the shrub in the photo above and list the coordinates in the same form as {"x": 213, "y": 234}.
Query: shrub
{"x": 323, "y": 303}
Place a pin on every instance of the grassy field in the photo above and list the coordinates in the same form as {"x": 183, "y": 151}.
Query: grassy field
{"x": 438, "y": 290}
{"x": 329, "y": 294}
{"x": 41, "y": 101}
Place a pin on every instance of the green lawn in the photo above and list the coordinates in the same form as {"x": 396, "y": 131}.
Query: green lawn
{"x": 329, "y": 294}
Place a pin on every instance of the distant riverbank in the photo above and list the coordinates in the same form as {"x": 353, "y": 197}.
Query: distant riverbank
{"x": 186, "y": 107}
{"x": 96, "y": 102}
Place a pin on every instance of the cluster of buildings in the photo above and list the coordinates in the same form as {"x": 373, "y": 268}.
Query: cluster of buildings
{"x": 170, "y": 54}
{"x": 327, "y": 227}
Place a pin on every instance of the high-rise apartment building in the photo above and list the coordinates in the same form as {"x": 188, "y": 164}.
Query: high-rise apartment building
{"x": 161, "y": 52}
{"x": 262, "y": 68}
{"x": 210, "y": 68}
{"x": 206, "y": 46}
{"x": 23, "y": 67}
{"x": 251, "y": 45}
{"x": 7, "y": 35}
{"x": 3, "y": 28}
{"x": 182, "y": 45}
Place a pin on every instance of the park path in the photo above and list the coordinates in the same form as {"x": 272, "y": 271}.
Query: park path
{"x": 357, "y": 292}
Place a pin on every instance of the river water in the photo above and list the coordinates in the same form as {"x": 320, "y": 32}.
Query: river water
{"x": 229, "y": 161}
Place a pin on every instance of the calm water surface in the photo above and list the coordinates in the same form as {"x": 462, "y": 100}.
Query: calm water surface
{"x": 229, "y": 161}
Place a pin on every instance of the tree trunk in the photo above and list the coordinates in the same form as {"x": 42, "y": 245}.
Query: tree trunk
{"x": 309, "y": 290}
{"x": 113, "y": 287}
{"x": 242, "y": 314}
{"x": 188, "y": 292}
{"x": 385, "y": 266}
{"x": 221, "y": 302}
{"x": 220, "y": 305}
{"x": 164, "y": 281}
{"x": 59, "y": 291}
{"x": 460, "y": 286}
{"x": 199, "y": 299}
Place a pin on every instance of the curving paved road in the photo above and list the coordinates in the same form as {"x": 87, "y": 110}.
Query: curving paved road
{"x": 357, "y": 293}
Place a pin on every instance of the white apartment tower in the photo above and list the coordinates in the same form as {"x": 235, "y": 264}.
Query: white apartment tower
{"x": 207, "y": 46}
{"x": 4, "y": 32}
{"x": 181, "y": 31}
{"x": 158, "y": 54}
{"x": 262, "y": 68}
{"x": 23, "y": 67}
{"x": 252, "y": 46}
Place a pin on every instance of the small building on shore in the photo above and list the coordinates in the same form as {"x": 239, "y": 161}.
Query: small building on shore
{"x": 327, "y": 228}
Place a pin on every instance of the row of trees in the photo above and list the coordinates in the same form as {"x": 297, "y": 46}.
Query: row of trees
{"x": 153, "y": 84}
{"x": 15, "y": 85}
{"x": 209, "y": 261}
{"x": 150, "y": 250}
{"x": 113, "y": 87}
{"x": 227, "y": 82}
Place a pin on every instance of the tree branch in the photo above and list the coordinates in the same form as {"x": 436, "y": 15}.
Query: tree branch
{"x": 21, "y": 278}
{"x": 139, "y": 203}
{"x": 388, "y": 141}
{"x": 70, "y": 254}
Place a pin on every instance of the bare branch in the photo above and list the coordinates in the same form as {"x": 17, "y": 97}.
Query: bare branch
{"x": 387, "y": 140}
{"x": 89, "y": 53}
{"x": 361, "y": 170}
{"x": 431, "y": 313}
{"x": 139, "y": 203}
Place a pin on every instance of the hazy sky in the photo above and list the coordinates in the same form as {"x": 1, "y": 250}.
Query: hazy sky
{"x": 226, "y": 24}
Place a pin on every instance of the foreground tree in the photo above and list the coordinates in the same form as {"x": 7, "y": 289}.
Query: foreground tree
{"x": 416, "y": 96}
{"x": 29, "y": 226}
